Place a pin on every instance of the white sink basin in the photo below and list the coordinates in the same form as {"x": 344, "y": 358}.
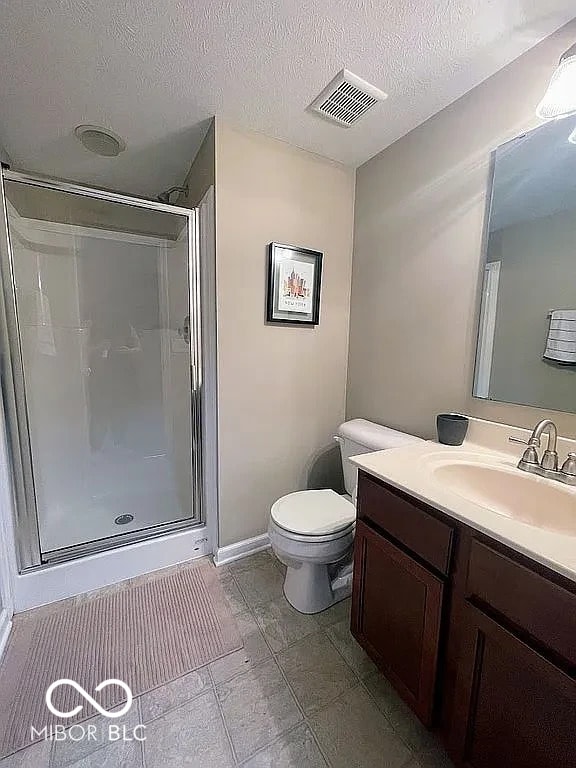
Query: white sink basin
{"x": 511, "y": 493}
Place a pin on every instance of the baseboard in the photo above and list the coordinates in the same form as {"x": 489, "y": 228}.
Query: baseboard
{"x": 241, "y": 549}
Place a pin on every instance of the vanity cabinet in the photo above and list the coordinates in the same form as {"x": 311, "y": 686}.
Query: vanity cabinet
{"x": 479, "y": 640}
{"x": 515, "y": 693}
{"x": 396, "y": 615}
{"x": 399, "y": 590}
{"x": 513, "y": 707}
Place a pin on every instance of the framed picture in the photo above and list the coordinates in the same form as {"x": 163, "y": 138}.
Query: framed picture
{"x": 294, "y": 279}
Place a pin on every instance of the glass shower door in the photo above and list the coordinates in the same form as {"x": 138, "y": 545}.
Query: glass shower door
{"x": 108, "y": 349}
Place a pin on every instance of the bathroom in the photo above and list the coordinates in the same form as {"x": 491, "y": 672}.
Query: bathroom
{"x": 236, "y": 410}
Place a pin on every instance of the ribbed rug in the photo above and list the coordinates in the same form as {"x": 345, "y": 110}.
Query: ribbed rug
{"x": 145, "y": 634}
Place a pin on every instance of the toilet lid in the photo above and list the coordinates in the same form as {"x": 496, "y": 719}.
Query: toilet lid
{"x": 313, "y": 513}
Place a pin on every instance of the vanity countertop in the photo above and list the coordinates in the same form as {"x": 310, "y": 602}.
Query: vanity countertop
{"x": 418, "y": 471}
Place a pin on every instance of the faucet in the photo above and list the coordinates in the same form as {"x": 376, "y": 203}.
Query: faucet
{"x": 548, "y": 465}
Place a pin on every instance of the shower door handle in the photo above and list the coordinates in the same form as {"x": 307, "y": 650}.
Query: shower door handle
{"x": 184, "y": 332}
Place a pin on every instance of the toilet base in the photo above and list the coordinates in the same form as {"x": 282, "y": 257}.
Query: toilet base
{"x": 311, "y": 588}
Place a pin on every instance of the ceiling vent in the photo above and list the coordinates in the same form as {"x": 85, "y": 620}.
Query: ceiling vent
{"x": 346, "y": 99}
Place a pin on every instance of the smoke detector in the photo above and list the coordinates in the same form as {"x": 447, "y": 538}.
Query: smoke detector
{"x": 346, "y": 99}
{"x": 101, "y": 141}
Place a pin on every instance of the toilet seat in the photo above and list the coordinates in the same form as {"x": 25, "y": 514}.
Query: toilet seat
{"x": 314, "y": 513}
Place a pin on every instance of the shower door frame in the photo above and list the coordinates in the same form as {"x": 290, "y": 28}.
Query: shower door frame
{"x": 6, "y": 596}
{"x": 25, "y": 510}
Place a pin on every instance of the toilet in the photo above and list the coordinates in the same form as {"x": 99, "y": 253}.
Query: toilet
{"x": 312, "y": 532}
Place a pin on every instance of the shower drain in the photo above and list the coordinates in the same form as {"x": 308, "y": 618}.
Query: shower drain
{"x": 123, "y": 519}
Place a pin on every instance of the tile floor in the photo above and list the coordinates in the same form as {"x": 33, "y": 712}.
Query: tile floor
{"x": 300, "y": 694}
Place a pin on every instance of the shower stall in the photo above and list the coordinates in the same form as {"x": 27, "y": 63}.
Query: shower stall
{"x": 101, "y": 368}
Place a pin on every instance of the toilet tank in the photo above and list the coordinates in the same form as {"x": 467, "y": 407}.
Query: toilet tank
{"x": 362, "y": 436}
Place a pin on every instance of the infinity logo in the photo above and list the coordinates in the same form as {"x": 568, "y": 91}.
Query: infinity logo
{"x": 89, "y": 699}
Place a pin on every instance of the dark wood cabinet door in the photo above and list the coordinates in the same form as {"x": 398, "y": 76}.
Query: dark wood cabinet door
{"x": 513, "y": 707}
{"x": 396, "y": 612}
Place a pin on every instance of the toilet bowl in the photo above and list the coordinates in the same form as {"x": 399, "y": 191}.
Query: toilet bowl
{"x": 312, "y": 532}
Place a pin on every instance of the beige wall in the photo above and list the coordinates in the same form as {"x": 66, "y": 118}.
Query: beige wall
{"x": 281, "y": 390}
{"x": 417, "y": 254}
{"x": 202, "y": 173}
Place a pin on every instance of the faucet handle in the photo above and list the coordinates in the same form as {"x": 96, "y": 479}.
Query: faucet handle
{"x": 529, "y": 458}
{"x": 531, "y": 441}
{"x": 569, "y": 466}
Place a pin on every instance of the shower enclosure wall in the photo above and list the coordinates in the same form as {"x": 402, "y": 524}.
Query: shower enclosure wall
{"x": 102, "y": 369}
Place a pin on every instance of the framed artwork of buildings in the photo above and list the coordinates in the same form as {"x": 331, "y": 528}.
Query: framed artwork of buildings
{"x": 294, "y": 280}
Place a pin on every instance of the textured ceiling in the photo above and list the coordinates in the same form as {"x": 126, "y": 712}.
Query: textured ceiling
{"x": 155, "y": 72}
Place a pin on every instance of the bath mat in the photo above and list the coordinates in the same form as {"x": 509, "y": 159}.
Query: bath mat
{"x": 145, "y": 634}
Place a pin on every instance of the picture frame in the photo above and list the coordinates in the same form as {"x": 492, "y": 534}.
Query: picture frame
{"x": 294, "y": 285}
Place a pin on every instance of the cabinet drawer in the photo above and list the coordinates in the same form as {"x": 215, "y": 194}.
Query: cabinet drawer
{"x": 413, "y": 527}
{"x": 536, "y": 605}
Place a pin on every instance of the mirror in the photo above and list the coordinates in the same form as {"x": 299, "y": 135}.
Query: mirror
{"x": 526, "y": 352}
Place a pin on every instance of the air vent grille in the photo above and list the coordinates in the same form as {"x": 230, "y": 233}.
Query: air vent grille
{"x": 346, "y": 99}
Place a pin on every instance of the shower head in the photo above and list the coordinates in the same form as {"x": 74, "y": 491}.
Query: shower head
{"x": 164, "y": 197}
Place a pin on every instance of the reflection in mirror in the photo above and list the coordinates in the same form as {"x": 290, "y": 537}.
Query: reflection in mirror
{"x": 526, "y": 350}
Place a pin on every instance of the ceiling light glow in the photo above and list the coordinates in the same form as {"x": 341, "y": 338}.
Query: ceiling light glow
{"x": 560, "y": 97}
